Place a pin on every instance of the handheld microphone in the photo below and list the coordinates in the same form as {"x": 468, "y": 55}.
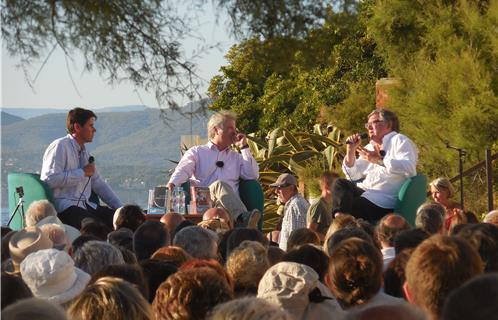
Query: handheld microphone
{"x": 364, "y": 135}
{"x": 220, "y": 164}
{"x": 91, "y": 160}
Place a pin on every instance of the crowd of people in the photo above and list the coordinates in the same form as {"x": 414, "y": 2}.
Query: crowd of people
{"x": 347, "y": 256}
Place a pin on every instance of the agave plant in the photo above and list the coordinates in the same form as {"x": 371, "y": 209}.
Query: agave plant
{"x": 303, "y": 154}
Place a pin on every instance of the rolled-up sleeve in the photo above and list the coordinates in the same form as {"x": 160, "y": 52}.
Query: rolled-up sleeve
{"x": 249, "y": 169}
{"x": 185, "y": 168}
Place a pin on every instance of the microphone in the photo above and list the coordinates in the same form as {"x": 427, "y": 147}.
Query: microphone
{"x": 91, "y": 160}
{"x": 220, "y": 164}
{"x": 364, "y": 135}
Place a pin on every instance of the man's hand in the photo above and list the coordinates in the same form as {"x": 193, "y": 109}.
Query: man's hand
{"x": 352, "y": 143}
{"x": 371, "y": 156}
{"x": 89, "y": 169}
{"x": 170, "y": 186}
{"x": 240, "y": 140}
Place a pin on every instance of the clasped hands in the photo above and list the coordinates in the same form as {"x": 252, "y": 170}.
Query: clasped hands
{"x": 369, "y": 155}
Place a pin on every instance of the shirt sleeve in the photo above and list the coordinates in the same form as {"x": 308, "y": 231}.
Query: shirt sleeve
{"x": 356, "y": 172}
{"x": 185, "y": 168}
{"x": 104, "y": 191}
{"x": 404, "y": 159}
{"x": 249, "y": 169}
{"x": 53, "y": 173}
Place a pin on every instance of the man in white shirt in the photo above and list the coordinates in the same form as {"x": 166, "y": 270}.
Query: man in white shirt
{"x": 71, "y": 175}
{"x": 217, "y": 166}
{"x": 384, "y": 164}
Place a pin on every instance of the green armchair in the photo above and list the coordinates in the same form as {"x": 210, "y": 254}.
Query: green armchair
{"x": 412, "y": 194}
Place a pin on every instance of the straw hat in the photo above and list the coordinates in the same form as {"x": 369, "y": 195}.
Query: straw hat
{"x": 26, "y": 241}
{"x": 51, "y": 275}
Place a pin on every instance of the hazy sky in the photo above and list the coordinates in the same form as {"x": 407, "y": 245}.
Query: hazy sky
{"x": 54, "y": 88}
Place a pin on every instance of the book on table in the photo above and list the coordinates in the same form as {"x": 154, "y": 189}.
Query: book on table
{"x": 201, "y": 200}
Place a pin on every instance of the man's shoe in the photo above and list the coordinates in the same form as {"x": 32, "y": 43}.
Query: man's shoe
{"x": 249, "y": 219}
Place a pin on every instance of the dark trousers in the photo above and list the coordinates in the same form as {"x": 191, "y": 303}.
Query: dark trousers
{"x": 346, "y": 198}
{"x": 74, "y": 215}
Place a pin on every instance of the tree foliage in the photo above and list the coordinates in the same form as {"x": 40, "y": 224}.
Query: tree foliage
{"x": 132, "y": 40}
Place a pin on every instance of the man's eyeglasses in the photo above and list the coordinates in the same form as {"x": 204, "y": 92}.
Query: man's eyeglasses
{"x": 371, "y": 124}
{"x": 282, "y": 186}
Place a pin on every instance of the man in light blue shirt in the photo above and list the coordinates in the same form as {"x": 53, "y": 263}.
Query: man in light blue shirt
{"x": 70, "y": 172}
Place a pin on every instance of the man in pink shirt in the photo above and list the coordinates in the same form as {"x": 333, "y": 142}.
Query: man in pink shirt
{"x": 217, "y": 166}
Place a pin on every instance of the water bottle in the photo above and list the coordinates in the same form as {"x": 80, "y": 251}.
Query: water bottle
{"x": 178, "y": 204}
{"x": 181, "y": 201}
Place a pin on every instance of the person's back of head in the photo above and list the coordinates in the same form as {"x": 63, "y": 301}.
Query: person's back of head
{"x": 57, "y": 235}
{"x": 150, "y": 236}
{"x": 389, "y": 227}
{"x": 355, "y": 272}
{"x": 409, "y": 239}
{"x": 248, "y": 308}
{"x": 430, "y": 217}
{"x": 302, "y": 236}
{"x": 131, "y": 273}
{"x": 16, "y": 289}
{"x": 122, "y": 237}
{"x": 484, "y": 238}
{"x": 275, "y": 255}
{"x": 94, "y": 228}
{"x": 33, "y": 308}
{"x": 394, "y": 275}
{"x": 172, "y": 254}
{"x": 198, "y": 242}
{"x": 211, "y": 264}
{"x": 310, "y": 255}
{"x": 491, "y": 217}
{"x": 343, "y": 234}
{"x": 401, "y": 311}
{"x": 38, "y": 210}
{"x": 246, "y": 265}
{"x": 241, "y": 234}
{"x": 439, "y": 265}
{"x": 190, "y": 294}
{"x": 95, "y": 255}
{"x": 474, "y": 300}
{"x": 156, "y": 272}
{"x": 129, "y": 216}
{"x": 110, "y": 299}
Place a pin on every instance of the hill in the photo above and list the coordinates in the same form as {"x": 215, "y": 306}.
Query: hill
{"x": 28, "y": 113}
{"x": 8, "y": 118}
{"x": 131, "y": 149}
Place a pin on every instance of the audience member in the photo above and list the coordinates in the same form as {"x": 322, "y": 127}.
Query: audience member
{"x": 471, "y": 217}
{"x": 491, "y": 217}
{"x": 311, "y": 256}
{"x": 476, "y": 300}
{"x": 110, "y": 299}
{"x": 26, "y": 241}
{"x": 388, "y": 228}
{"x": 94, "y": 227}
{"x": 241, "y": 234}
{"x": 295, "y": 207}
{"x": 275, "y": 255}
{"x": 57, "y": 235}
{"x": 190, "y": 294}
{"x": 223, "y": 244}
{"x": 129, "y": 216}
{"x": 319, "y": 215}
{"x": 340, "y": 221}
{"x": 409, "y": 239}
{"x": 296, "y": 288}
{"x": 171, "y": 220}
{"x": 400, "y": 311}
{"x": 129, "y": 256}
{"x": 355, "y": 274}
{"x": 33, "y": 308}
{"x": 131, "y": 273}
{"x": 209, "y": 263}
{"x": 442, "y": 191}
{"x": 248, "y": 308}
{"x": 183, "y": 224}
{"x": 93, "y": 256}
{"x": 156, "y": 272}
{"x": 439, "y": 265}
{"x": 123, "y": 237}
{"x": 79, "y": 242}
{"x": 302, "y": 236}
{"x": 219, "y": 214}
{"x": 172, "y": 254}
{"x": 70, "y": 231}
{"x": 395, "y": 276}
{"x": 13, "y": 289}
{"x": 198, "y": 242}
{"x": 5, "y": 246}
{"x": 384, "y": 164}
{"x": 150, "y": 236}
{"x": 38, "y": 210}
{"x": 484, "y": 238}
{"x": 246, "y": 265}
{"x": 51, "y": 275}
{"x": 430, "y": 218}
{"x": 344, "y": 234}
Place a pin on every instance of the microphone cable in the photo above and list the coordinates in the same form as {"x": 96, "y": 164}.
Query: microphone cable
{"x": 90, "y": 161}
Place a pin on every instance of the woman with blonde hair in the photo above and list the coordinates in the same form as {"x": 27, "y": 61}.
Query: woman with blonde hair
{"x": 110, "y": 299}
{"x": 442, "y": 191}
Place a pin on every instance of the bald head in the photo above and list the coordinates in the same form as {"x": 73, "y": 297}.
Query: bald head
{"x": 171, "y": 220}
{"x": 218, "y": 213}
{"x": 491, "y": 217}
{"x": 389, "y": 227}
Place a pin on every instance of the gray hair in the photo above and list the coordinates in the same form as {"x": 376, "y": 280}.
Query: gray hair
{"x": 430, "y": 217}
{"x": 387, "y": 116}
{"x": 33, "y": 308}
{"x": 94, "y": 255}
{"x": 218, "y": 119}
{"x": 38, "y": 210}
{"x": 443, "y": 184}
{"x": 198, "y": 242}
{"x": 57, "y": 234}
{"x": 249, "y": 308}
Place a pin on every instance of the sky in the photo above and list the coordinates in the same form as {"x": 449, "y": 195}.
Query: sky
{"x": 54, "y": 88}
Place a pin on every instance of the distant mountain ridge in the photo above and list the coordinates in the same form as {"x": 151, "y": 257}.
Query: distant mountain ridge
{"x": 132, "y": 149}
{"x": 28, "y": 113}
{"x": 8, "y": 118}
